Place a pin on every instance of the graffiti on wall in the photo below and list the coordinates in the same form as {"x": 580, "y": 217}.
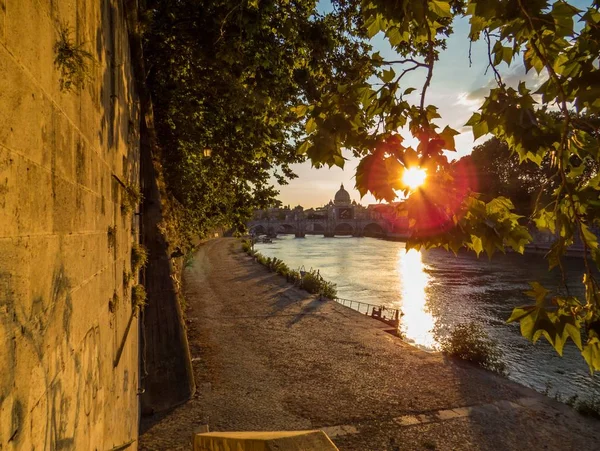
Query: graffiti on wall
{"x": 58, "y": 391}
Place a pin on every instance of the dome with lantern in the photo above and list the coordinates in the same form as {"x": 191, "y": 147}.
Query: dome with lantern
{"x": 342, "y": 197}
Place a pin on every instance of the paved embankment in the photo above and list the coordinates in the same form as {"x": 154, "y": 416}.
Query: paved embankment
{"x": 267, "y": 356}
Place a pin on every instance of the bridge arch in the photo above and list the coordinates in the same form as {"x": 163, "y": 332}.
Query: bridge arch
{"x": 316, "y": 228}
{"x": 373, "y": 229}
{"x": 258, "y": 230}
{"x": 285, "y": 229}
{"x": 343, "y": 228}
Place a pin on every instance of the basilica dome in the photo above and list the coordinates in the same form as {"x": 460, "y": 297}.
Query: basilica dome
{"x": 342, "y": 197}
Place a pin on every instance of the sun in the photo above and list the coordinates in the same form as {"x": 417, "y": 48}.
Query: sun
{"x": 414, "y": 177}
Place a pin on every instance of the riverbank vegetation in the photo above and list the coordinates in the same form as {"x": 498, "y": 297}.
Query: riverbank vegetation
{"x": 590, "y": 408}
{"x": 587, "y": 407}
{"x": 472, "y": 343}
{"x": 310, "y": 281}
{"x": 242, "y": 90}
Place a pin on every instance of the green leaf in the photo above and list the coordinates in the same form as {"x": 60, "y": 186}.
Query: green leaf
{"x": 572, "y": 330}
{"x": 519, "y": 313}
{"x": 394, "y": 36}
{"x": 300, "y": 110}
{"x": 480, "y": 129}
{"x": 441, "y": 8}
{"x": 537, "y": 292}
{"x": 375, "y": 25}
{"x": 546, "y": 220}
{"x": 556, "y": 252}
{"x": 507, "y": 55}
{"x": 311, "y": 125}
{"x": 527, "y": 323}
{"x": 388, "y": 75}
{"x": 448, "y": 135}
{"x": 590, "y": 238}
{"x": 591, "y": 354}
{"x": 476, "y": 244}
{"x": 304, "y": 147}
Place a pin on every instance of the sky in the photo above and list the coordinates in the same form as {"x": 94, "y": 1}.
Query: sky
{"x": 457, "y": 88}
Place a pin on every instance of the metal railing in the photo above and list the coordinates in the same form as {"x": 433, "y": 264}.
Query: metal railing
{"x": 381, "y": 312}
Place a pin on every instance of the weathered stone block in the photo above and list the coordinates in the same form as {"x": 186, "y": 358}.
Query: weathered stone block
{"x": 25, "y": 113}
{"x": 26, "y": 210}
{"x": 263, "y": 441}
{"x": 30, "y": 36}
{"x": 2, "y": 19}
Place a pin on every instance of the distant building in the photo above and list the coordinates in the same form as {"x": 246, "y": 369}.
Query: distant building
{"x": 342, "y": 207}
{"x": 340, "y": 216}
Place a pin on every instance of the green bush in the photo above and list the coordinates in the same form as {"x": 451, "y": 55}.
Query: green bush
{"x": 471, "y": 342}
{"x": 283, "y": 270}
{"x": 293, "y": 276}
{"x": 130, "y": 198}
{"x": 311, "y": 282}
{"x": 138, "y": 298}
{"x": 589, "y": 407}
{"x": 247, "y": 246}
{"x": 127, "y": 278}
{"x": 275, "y": 265}
{"x": 139, "y": 257}
{"x": 71, "y": 60}
{"x": 328, "y": 290}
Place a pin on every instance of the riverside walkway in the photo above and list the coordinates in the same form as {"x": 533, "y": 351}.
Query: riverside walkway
{"x": 268, "y": 356}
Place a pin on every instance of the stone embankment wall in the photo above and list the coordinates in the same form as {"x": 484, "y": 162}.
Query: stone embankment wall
{"x": 69, "y": 337}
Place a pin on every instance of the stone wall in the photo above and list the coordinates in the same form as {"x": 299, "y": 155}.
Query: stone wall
{"x": 69, "y": 350}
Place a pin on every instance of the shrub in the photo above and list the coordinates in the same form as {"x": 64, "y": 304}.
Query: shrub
{"x": 471, "y": 342}
{"x": 131, "y": 198}
{"x": 589, "y": 407}
{"x": 139, "y": 257}
{"x": 188, "y": 258}
{"x": 127, "y": 278}
{"x": 586, "y": 407}
{"x": 138, "y": 297}
{"x": 328, "y": 290}
{"x": 71, "y": 60}
{"x": 293, "y": 276}
{"x": 282, "y": 270}
{"x": 274, "y": 264}
{"x": 182, "y": 301}
{"x": 246, "y": 246}
{"x": 311, "y": 282}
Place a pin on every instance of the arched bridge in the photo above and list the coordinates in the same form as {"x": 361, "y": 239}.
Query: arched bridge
{"x": 327, "y": 227}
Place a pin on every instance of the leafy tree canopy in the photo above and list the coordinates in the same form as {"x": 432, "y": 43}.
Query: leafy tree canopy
{"x": 228, "y": 79}
{"x": 369, "y": 118}
{"x": 264, "y": 83}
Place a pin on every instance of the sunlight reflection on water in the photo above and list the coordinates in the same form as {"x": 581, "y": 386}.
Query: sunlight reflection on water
{"x": 418, "y": 323}
{"x": 437, "y": 290}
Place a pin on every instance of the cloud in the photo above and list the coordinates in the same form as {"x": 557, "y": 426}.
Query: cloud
{"x": 512, "y": 77}
{"x": 471, "y": 100}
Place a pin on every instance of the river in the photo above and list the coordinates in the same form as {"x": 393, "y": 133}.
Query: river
{"x": 437, "y": 290}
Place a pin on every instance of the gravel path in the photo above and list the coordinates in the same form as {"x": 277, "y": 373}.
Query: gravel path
{"x": 267, "y": 356}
